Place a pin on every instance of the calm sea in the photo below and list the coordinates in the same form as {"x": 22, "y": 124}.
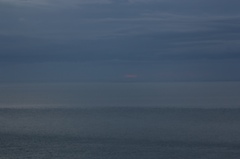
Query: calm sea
{"x": 120, "y": 121}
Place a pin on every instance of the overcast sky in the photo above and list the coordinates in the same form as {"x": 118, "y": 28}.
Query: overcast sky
{"x": 119, "y": 40}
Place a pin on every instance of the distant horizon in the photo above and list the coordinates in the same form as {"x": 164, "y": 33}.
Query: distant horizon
{"x": 119, "y": 94}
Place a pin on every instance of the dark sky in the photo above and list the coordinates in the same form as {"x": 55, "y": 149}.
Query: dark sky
{"x": 119, "y": 40}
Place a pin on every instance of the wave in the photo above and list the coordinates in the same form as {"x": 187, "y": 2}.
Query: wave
{"x": 163, "y": 124}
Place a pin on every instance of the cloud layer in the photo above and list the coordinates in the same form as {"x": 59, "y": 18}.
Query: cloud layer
{"x": 119, "y": 30}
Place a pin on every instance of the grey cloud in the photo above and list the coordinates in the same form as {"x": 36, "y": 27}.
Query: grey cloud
{"x": 134, "y": 31}
{"x": 96, "y": 21}
{"x": 52, "y": 3}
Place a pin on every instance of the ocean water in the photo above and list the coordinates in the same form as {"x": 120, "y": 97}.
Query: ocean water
{"x": 120, "y": 121}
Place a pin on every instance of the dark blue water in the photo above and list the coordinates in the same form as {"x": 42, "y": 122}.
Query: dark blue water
{"x": 198, "y": 120}
{"x": 120, "y": 133}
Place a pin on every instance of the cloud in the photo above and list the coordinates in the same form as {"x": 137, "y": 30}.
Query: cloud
{"x": 127, "y": 30}
{"x": 52, "y": 3}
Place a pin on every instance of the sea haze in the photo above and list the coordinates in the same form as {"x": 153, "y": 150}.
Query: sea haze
{"x": 120, "y": 120}
{"x": 86, "y": 95}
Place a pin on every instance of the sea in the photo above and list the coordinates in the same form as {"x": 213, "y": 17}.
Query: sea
{"x": 174, "y": 120}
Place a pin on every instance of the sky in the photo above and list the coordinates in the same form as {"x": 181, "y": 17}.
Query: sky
{"x": 119, "y": 40}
